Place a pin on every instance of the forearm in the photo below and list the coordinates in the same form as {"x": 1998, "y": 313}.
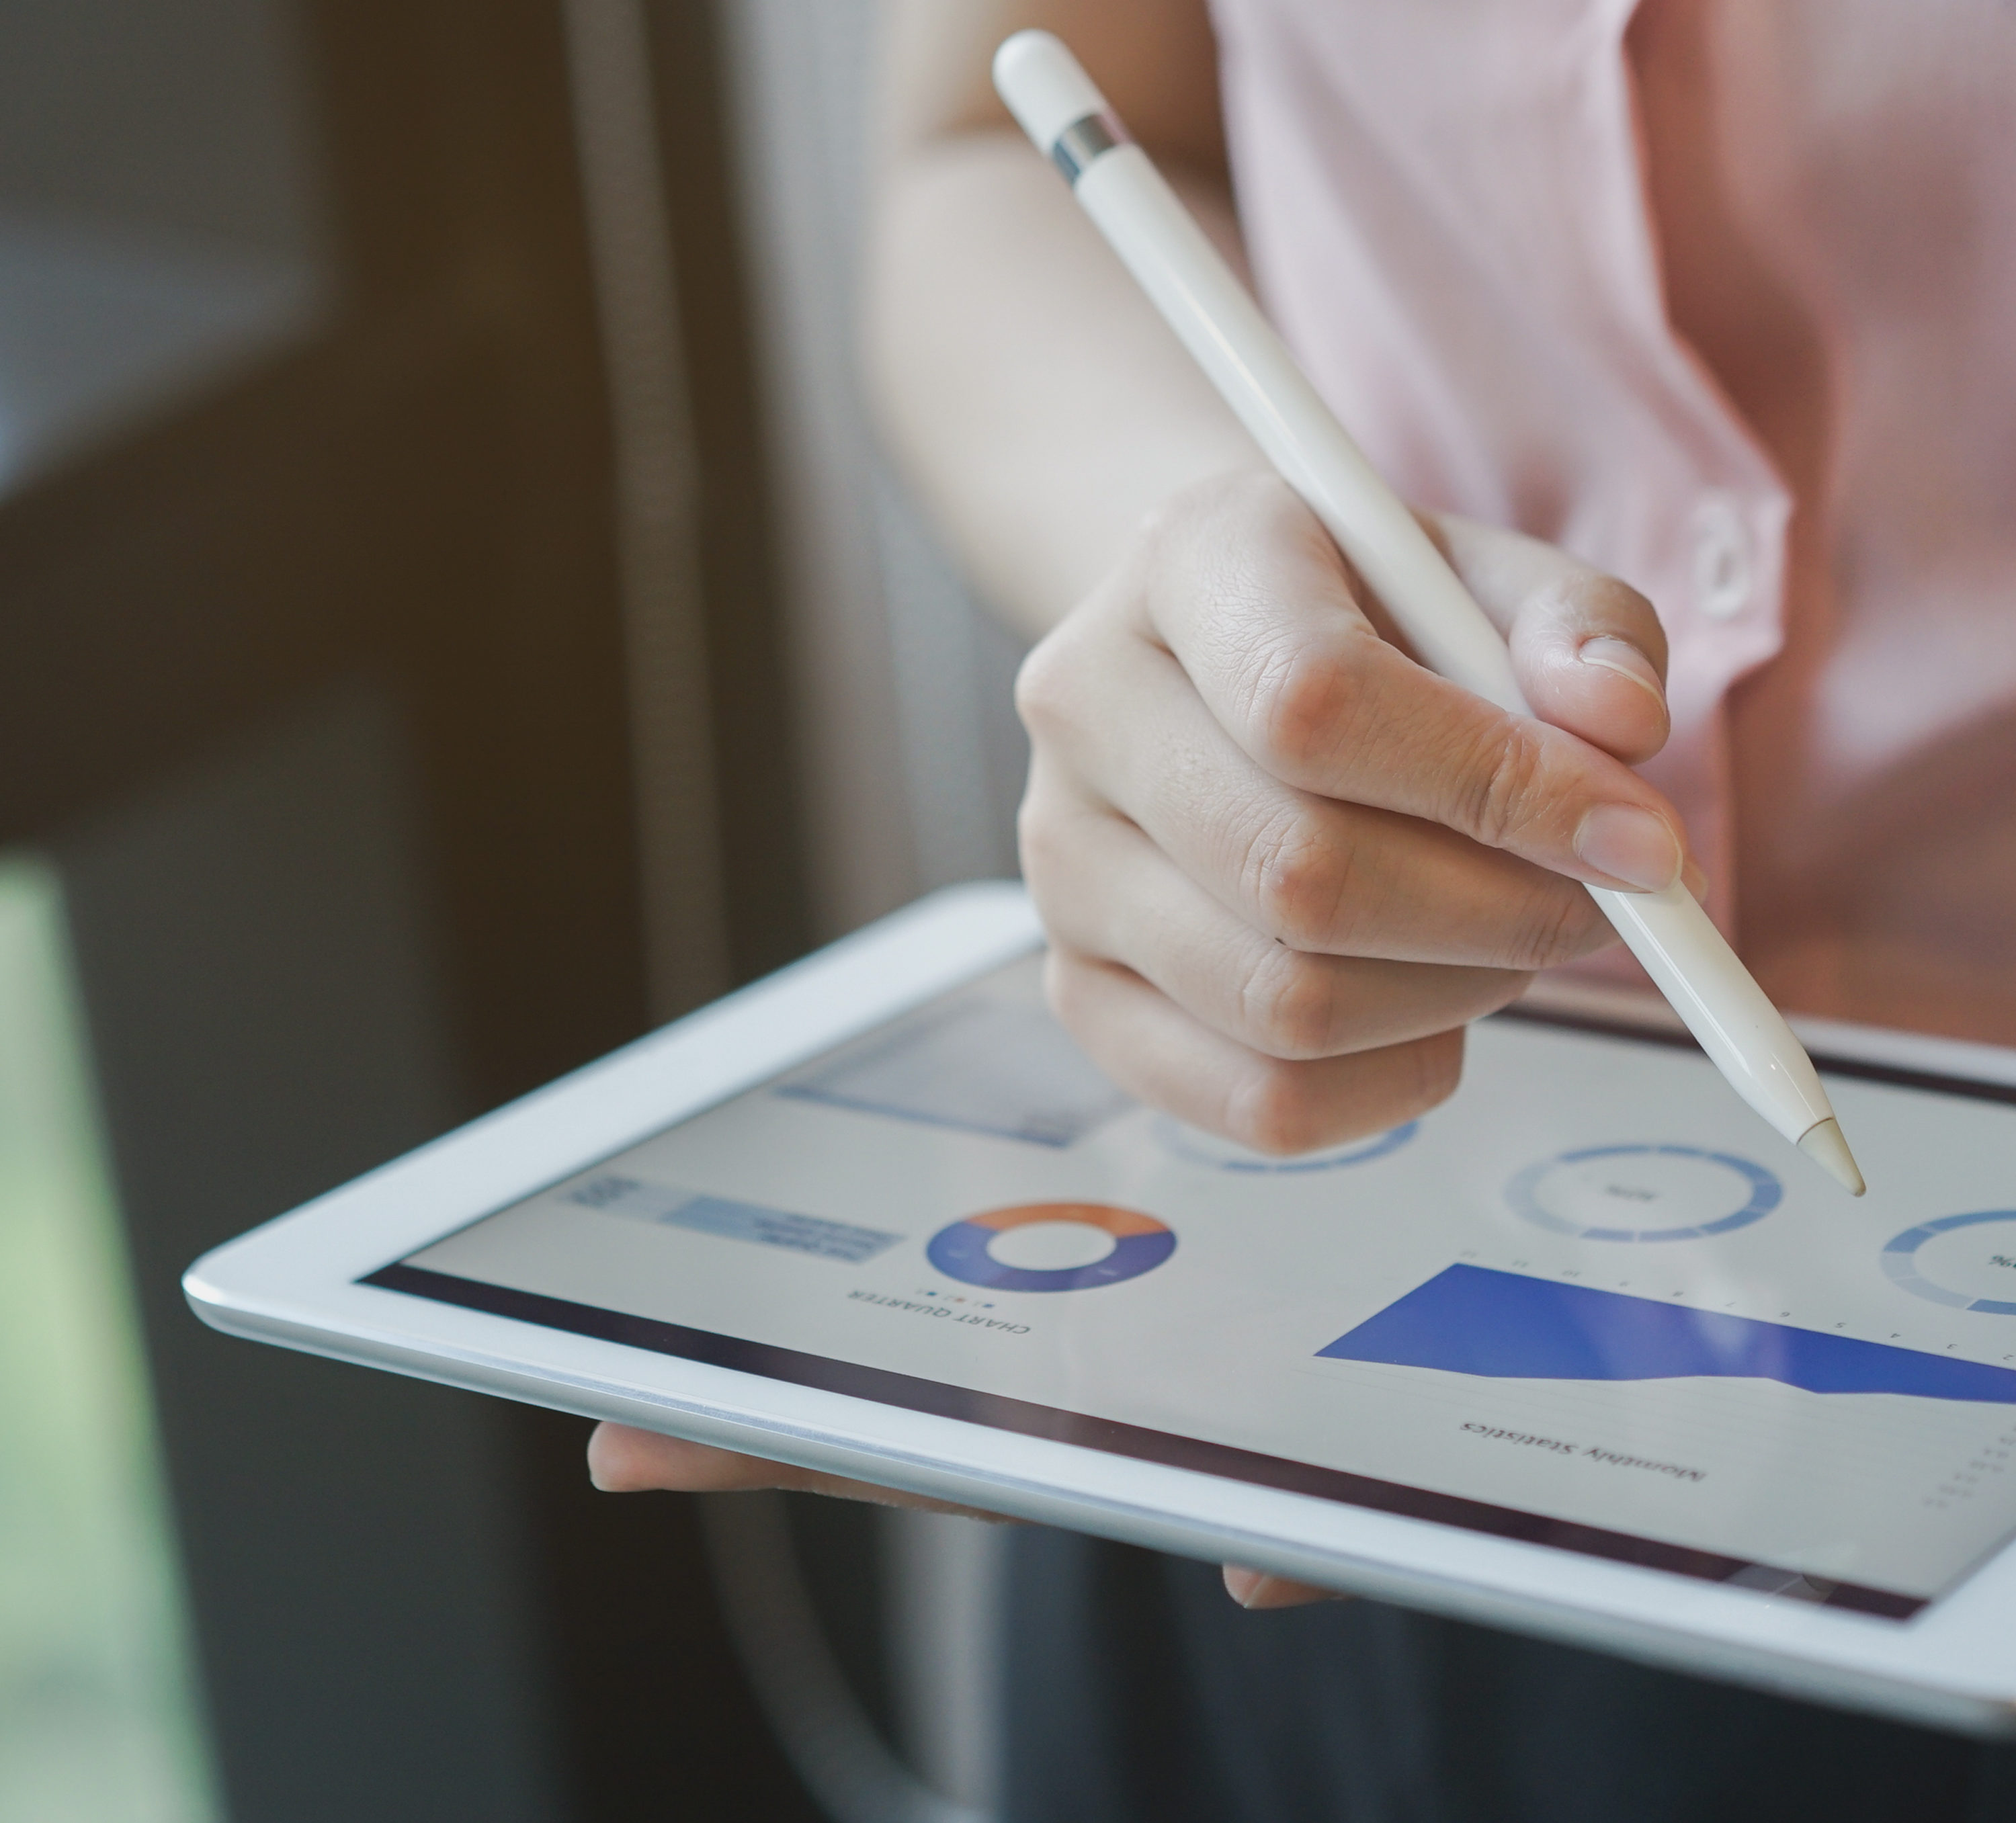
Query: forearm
{"x": 1037, "y": 403}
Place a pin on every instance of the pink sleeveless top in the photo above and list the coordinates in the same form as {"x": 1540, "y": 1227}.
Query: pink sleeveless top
{"x": 1457, "y": 214}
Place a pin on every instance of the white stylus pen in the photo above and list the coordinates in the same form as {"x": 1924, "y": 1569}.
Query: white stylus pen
{"x": 1161, "y": 243}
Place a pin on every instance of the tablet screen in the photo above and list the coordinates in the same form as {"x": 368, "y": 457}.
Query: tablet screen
{"x": 1591, "y": 1301}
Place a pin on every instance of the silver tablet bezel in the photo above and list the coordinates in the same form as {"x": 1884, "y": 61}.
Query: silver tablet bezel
{"x": 293, "y": 1281}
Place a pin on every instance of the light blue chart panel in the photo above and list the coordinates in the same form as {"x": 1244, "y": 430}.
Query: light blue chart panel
{"x": 731, "y": 1220}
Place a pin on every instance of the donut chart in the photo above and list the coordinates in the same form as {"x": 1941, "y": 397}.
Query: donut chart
{"x": 963, "y": 1250}
{"x": 1651, "y": 1192}
{"x": 1951, "y": 1261}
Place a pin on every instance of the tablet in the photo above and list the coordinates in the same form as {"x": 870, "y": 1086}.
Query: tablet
{"x": 1586, "y": 1352}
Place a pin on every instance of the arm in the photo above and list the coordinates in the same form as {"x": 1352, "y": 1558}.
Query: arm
{"x": 1036, "y": 402}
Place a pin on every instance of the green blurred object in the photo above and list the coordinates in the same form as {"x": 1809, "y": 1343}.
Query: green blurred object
{"x": 99, "y": 1713}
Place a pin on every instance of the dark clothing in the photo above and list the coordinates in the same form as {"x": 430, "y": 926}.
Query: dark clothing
{"x": 1139, "y": 1693}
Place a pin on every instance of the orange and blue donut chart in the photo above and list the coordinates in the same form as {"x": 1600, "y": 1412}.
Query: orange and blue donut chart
{"x": 1140, "y": 1244}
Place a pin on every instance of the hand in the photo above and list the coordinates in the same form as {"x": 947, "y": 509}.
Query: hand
{"x": 621, "y": 1460}
{"x": 624, "y": 1460}
{"x": 1280, "y": 864}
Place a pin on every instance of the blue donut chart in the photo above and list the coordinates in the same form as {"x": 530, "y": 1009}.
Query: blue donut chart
{"x": 1140, "y": 1244}
{"x": 1766, "y": 1194}
{"x": 1900, "y": 1263}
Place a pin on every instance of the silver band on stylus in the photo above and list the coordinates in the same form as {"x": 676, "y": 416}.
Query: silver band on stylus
{"x": 1083, "y": 141}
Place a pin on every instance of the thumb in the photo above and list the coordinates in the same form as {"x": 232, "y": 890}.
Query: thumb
{"x": 1255, "y": 1590}
{"x": 1588, "y": 650}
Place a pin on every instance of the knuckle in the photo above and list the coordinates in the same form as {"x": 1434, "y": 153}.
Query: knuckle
{"x": 1555, "y": 925}
{"x": 1212, "y": 526}
{"x": 1296, "y": 880}
{"x": 1043, "y": 694}
{"x": 1303, "y": 705}
{"x": 1503, "y": 790}
{"x": 1289, "y": 1005}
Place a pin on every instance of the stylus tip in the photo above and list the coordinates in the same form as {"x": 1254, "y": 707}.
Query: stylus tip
{"x": 1824, "y": 1143}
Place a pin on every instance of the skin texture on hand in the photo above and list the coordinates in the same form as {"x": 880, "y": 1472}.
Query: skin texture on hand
{"x": 1257, "y": 1590}
{"x": 1282, "y": 865}
{"x": 624, "y": 1460}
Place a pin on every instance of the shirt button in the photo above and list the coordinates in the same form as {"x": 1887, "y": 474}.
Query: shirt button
{"x": 1725, "y": 565}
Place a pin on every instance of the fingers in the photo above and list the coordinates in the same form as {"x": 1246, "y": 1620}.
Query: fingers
{"x": 1153, "y": 1048}
{"x": 624, "y": 1460}
{"x": 1321, "y": 875}
{"x": 1256, "y": 610}
{"x": 1105, "y": 891}
{"x": 1255, "y": 1590}
{"x": 1589, "y": 650}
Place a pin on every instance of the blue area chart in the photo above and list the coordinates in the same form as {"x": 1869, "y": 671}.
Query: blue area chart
{"x": 1503, "y": 1325}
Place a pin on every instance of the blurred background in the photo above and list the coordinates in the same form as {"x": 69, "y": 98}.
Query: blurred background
{"x": 452, "y": 619}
